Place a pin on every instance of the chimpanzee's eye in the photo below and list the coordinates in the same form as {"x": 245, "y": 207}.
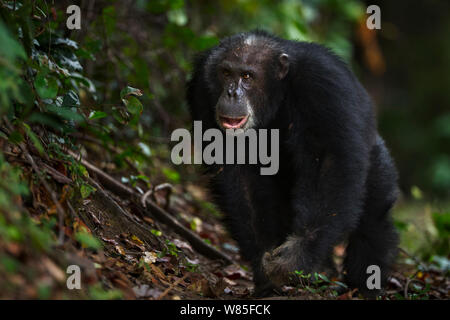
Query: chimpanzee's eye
{"x": 226, "y": 72}
{"x": 246, "y": 75}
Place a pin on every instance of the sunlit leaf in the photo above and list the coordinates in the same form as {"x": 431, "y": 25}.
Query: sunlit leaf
{"x": 86, "y": 190}
{"x": 130, "y": 91}
{"x": 88, "y": 241}
{"x": 97, "y": 115}
{"x": 172, "y": 175}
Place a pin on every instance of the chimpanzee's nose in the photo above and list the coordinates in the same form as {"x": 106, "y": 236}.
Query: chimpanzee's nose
{"x": 232, "y": 92}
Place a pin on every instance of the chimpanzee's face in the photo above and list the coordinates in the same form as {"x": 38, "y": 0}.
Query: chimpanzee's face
{"x": 243, "y": 75}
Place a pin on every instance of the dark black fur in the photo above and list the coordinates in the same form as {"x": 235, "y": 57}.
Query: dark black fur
{"x": 336, "y": 180}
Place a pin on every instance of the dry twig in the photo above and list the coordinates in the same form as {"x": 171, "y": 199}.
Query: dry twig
{"x": 173, "y": 285}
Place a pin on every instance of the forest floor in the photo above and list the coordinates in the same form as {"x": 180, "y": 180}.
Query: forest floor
{"x": 146, "y": 246}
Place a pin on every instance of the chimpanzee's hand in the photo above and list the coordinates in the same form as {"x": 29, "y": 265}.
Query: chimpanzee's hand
{"x": 280, "y": 263}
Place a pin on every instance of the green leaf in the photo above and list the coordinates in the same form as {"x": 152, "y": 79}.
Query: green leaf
{"x": 86, "y": 190}
{"x": 98, "y": 293}
{"x": 109, "y": 19}
{"x": 16, "y": 137}
{"x": 10, "y": 265}
{"x": 26, "y": 95}
{"x": 88, "y": 241}
{"x": 97, "y": 115}
{"x": 34, "y": 138}
{"x": 416, "y": 192}
{"x": 177, "y": 17}
{"x": 83, "y": 171}
{"x": 46, "y": 88}
{"x": 323, "y": 277}
{"x": 442, "y": 223}
{"x": 134, "y": 106}
{"x": 46, "y": 119}
{"x": 130, "y": 91}
{"x": 67, "y": 42}
{"x": 10, "y": 48}
{"x": 145, "y": 149}
{"x": 70, "y": 99}
{"x": 343, "y": 285}
{"x": 65, "y": 113}
{"x": 172, "y": 175}
{"x": 156, "y": 232}
{"x": 121, "y": 115}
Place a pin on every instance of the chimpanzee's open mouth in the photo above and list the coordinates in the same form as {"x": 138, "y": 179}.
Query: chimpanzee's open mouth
{"x": 233, "y": 123}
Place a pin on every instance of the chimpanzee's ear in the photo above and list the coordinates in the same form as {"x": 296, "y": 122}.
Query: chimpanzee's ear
{"x": 283, "y": 66}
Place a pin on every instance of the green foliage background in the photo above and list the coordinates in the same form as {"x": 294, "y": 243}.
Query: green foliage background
{"x": 121, "y": 79}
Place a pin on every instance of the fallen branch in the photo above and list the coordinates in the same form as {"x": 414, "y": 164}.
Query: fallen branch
{"x": 124, "y": 191}
{"x": 155, "y": 189}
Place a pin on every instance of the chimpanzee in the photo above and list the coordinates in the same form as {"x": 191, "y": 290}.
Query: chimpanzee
{"x": 336, "y": 181}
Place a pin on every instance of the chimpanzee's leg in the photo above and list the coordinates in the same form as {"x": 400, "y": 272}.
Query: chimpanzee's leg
{"x": 375, "y": 240}
{"x": 251, "y": 204}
